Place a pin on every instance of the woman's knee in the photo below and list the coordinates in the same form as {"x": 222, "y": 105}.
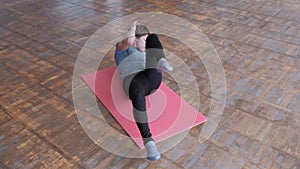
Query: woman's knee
{"x": 136, "y": 94}
{"x": 152, "y": 41}
{"x": 138, "y": 99}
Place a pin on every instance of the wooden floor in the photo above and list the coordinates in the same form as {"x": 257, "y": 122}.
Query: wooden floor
{"x": 258, "y": 42}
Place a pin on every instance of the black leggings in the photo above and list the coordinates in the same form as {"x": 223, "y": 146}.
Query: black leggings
{"x": 142, "y": 84}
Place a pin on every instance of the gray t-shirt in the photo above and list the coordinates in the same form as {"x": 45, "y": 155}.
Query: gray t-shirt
{"x": 130, "y": 61}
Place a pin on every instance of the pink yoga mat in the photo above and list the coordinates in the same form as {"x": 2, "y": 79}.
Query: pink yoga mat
{"x": 168, "y": 113}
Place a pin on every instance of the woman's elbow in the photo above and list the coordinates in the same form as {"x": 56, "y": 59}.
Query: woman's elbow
{"x": 130, "y": 40}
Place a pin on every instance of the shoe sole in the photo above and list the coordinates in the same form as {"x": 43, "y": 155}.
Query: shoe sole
{"x": 154, "y": 158}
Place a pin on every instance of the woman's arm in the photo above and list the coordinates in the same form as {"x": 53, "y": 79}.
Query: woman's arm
{"x": 129, "y": 39}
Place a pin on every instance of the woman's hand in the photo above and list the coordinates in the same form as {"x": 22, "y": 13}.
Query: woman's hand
{"x": 128, "y": 39}
{"x": 131, "y": 30}
{"x": 133, "y": 25}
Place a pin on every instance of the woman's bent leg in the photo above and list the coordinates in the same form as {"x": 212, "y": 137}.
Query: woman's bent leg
{"x": 155, "y": 57}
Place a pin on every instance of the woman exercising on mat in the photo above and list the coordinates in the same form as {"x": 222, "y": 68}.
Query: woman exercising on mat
{"x": 140, "y": 59}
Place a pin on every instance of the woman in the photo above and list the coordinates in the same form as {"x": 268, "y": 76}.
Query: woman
{"x": 141, "y": 74}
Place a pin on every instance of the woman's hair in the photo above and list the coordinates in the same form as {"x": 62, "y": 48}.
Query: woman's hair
{"x": 141, "y": 30}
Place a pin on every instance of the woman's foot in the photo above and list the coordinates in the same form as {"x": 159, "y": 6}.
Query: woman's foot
{"x": 164, "y": 65}
{"x": 152, "y": 152}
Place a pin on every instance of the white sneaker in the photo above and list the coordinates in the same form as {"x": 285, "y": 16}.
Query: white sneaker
{"x": 152, "y": 152}
{"x": 164, "y": 65}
